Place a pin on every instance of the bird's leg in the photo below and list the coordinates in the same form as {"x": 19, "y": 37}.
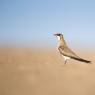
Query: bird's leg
{"x": 65, "y": 61}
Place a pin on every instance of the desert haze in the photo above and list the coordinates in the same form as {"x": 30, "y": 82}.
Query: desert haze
{"x": 27, "y": 71}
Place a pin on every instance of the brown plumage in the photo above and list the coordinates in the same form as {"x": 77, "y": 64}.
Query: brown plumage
{"x": 66, "y": 52}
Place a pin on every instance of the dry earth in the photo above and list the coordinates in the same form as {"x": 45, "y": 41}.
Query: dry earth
{"x": 36, "y": 72}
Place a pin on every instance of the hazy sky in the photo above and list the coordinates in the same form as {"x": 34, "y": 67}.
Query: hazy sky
{"x": 33, "y": 22}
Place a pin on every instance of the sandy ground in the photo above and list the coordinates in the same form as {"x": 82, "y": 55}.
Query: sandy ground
{"x": 37, "y": 72}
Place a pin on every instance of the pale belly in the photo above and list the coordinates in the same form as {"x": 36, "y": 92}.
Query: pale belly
{"x": 65, "y": 57}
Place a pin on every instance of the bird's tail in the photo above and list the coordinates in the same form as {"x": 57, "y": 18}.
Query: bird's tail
{"x": 82, "y": 60}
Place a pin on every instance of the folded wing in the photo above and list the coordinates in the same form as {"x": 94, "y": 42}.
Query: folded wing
{"x": 69, "y": 53}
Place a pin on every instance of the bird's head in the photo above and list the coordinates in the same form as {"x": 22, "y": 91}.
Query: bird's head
{"x": 58, "y": 35}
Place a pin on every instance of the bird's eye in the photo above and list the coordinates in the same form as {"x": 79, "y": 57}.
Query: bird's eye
{"x": 58, "y": 34}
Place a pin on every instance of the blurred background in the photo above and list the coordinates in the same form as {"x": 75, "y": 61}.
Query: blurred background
{"x": 29, "y": 61}
{"x": 33, "y": 22}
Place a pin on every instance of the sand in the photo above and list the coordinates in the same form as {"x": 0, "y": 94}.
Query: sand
{"x": 27, "y": 71}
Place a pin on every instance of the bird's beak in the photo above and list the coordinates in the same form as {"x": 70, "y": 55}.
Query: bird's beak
{"x": 55, "y": 35}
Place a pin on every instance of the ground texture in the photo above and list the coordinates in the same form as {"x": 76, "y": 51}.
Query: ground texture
{"x": 42, "y": 72}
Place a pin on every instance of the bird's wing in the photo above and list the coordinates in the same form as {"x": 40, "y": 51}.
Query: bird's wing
{"x": 67, "y": 52}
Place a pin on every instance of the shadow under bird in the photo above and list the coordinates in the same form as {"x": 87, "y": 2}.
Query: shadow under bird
{"x": 66, "y": 52}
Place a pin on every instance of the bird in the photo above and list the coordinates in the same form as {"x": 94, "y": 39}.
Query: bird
{"x": 65, "y": 51}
